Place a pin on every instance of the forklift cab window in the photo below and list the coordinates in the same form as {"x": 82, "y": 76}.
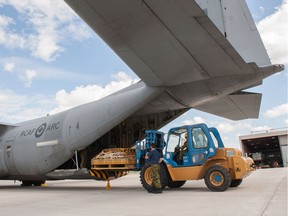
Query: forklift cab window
{"x": 215, "y": 141}
{"x": 173, "y": 142}
{"x": 176, "y": 145}
{"x": 199, "y": 138}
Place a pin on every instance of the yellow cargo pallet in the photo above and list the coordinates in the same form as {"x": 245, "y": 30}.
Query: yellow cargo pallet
{"x": 116, "y": 158}
{"x": 113, "y": 167}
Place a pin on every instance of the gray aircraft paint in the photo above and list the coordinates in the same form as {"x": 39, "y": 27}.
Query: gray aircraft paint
{"x": 40, "y": 146}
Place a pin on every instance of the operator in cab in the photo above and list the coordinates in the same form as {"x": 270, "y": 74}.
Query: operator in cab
{"x": 183, "y": 150}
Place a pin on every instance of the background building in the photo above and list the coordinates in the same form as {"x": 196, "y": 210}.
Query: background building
{"x": 268, "y": 149}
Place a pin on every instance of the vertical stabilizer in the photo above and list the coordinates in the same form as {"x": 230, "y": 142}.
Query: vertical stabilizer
{"x": 234, "y": 20}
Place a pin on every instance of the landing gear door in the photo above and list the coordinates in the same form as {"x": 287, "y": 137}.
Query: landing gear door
{"x": 3, "y": 168}
{"x": 8, "y": 155}
{"x": 201, "y": 148}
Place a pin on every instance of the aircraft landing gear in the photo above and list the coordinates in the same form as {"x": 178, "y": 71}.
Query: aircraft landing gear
{"x": 30, "y": 183}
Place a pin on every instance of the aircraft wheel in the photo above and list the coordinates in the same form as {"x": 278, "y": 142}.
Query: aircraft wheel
{"x": 145, "y": 176}
{"x": 175, "y": 184}
{"x": 235, "y": 182}
{"x": 217, "y": 178}
{"x": 30, "y": 183}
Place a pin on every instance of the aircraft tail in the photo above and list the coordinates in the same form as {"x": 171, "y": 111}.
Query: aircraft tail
{"x": 234, "y": 20}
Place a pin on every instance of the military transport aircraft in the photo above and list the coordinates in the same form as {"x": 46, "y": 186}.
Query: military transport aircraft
{"x": 199, "y": 54}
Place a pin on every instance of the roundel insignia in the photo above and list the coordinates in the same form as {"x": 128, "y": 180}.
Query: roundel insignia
{"x": 40, "y": 130}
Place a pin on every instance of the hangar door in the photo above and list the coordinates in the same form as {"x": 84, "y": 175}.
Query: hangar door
{"x": 265, "y": 151}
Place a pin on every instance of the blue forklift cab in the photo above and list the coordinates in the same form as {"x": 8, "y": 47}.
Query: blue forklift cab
{"x": 200, "y": 145}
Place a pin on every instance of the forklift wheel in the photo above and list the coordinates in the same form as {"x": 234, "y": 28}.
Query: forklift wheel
{"x": 175, "y": 184}
{"x": 145, "y": 176}
{"x": 27, "y": 183}
{"x": 217, "y": 178}
{"x": 235, "y": 182}
{"x": 38, "y": 183}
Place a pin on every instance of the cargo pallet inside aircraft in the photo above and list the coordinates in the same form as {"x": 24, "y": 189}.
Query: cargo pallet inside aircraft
{"x": 115, "y": 159}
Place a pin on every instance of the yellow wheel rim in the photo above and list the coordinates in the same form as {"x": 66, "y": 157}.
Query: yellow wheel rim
{"x": 216, "y": 178}
{"x": 147, "y": 176}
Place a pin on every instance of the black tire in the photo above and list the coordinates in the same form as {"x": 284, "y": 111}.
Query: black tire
{"x": 145, "y": 176}
{"x": 30, "y": 183}
{"x": 38, "y": 183}
{"x": 27, "y": 183}
{"x": 235, "y": 182}
{"x": 217, "y": 178}
{"x": 175, "y": 184}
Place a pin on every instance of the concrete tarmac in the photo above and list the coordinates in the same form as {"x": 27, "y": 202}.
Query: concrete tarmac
{"x": 263, "y": 193}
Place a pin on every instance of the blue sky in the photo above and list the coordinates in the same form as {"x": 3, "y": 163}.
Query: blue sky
{"x": 51, "y": 61}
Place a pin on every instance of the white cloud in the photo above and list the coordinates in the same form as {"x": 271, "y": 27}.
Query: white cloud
{"x": 44, "y": 46}
{"x": 281, "y": 110}
{"x": 89, "y": 93}
{"x": 49, "y": 22}
{"x": 7, "y": 37}
{"x": 9, "y": 67}
{"x": 195, "y": 120}
{"x": 227, "y": 127}
{"x": 44, "y": 71}
{"x": 261, "y": 129}
{"x": 28, "y": 77}
{"x": 274, "y": 33}
{"x": 17, "y": 108}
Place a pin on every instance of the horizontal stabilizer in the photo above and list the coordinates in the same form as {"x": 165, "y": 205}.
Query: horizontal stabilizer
{"x": 241, "y": 105}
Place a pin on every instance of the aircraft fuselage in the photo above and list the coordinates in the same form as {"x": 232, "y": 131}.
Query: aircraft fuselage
{"x": 37, "y": 147}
